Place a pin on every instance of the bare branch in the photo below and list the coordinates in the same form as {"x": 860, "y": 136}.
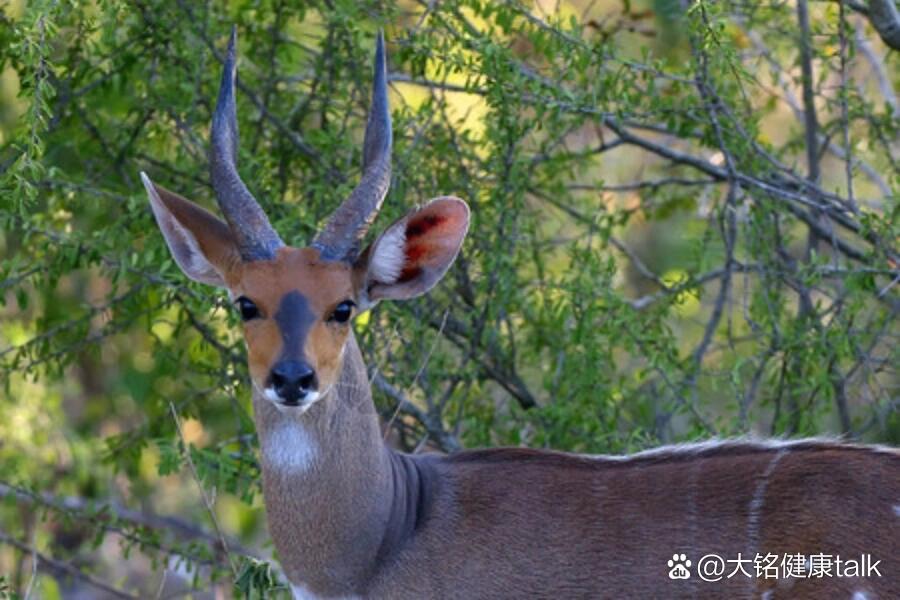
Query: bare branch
{"x": 878, "y": 69}
{"x": 446, "y": 440}
{"x": 83, "y": 509}
{"x": 62, "y": 569}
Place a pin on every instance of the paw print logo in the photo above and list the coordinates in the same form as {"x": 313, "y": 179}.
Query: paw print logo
{"x": 679, "y": 567}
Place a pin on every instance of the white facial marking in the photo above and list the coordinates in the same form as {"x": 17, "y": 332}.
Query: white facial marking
{"x": 860, "y": 595}
{"x": 767, "y": 595}
{"x": 390, "y": 255}
{"x": 897, "y": 510}
{"x": 271, "y": 395}
{"x": 289, "y": 447}
{"x": 310, "y": 399}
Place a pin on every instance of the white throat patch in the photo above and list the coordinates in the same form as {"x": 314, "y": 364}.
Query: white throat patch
{"x": 289, "y": 447}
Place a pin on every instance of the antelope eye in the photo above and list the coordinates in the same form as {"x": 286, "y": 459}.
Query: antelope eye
{"x": 247, "y": 308}
{"x": 342, "y": 312}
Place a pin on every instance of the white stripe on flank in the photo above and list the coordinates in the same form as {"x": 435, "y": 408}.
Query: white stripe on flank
{"x": 748, "y": 442}
{"x": 756, "y": 503}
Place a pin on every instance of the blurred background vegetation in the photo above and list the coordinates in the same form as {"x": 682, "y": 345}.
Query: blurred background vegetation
{"x": 684, "y": 226}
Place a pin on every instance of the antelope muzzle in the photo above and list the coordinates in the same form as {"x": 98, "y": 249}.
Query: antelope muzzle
{"x": 293, "y": 381}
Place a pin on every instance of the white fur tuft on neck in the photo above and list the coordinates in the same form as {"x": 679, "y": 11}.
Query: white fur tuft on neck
{"x": 289, "y": 447}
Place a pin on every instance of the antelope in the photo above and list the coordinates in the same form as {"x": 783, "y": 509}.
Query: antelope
{"x": 352, "y": 518}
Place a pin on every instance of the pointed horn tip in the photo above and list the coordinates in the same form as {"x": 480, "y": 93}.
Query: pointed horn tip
{"x": 380, "y": 61}
{"x": 148, "y": 185}
{"x": 231, "y": 52}
{"x": 225, "y": 97}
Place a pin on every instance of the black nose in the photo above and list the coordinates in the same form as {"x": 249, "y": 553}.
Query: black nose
{"x": 292, "y": 379}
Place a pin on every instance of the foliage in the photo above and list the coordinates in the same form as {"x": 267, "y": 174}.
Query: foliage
{"x": 684, "y": 226}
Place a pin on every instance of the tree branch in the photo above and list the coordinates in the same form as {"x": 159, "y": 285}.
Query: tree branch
{"x": 60, "y": 569}
{"x": 446, "y": 440}
{"x": 82, "y": 509}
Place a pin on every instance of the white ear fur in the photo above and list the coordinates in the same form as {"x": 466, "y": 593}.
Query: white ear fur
{"x": 182, "y": 243}
{"x": 389, "y": 255}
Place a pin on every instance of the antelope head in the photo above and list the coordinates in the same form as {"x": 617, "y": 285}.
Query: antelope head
{"x": 297, "y": 303}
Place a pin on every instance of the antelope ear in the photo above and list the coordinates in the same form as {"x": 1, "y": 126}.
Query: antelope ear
{"x": 414, "y": 253}
{"x": 200, "y": 243}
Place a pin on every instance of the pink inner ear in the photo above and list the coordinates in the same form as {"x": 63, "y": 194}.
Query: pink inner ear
{"x": 424, "y": 240}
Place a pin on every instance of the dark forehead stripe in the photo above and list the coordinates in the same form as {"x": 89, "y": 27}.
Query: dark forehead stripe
{"x": 294, "y": 318}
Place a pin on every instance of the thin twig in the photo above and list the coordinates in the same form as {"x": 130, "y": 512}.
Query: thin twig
{"x": 206, "y": 500}
{"x": 415, "y": 379}
{"x": 34, "y": 565}
{"x": 845, "y": 113}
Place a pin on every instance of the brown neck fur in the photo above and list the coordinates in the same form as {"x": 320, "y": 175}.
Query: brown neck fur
{"x": 328, "y": 483}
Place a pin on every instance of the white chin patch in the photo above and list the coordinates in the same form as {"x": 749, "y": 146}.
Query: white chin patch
{"x": 306, "y": 403}
{"x": 272, "y": 396}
